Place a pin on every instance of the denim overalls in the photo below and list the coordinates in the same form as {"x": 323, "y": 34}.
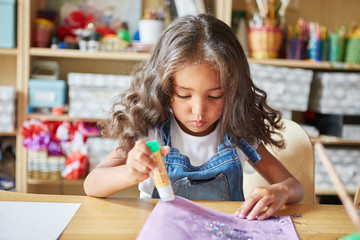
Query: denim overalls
{"x": 220, "y": 178}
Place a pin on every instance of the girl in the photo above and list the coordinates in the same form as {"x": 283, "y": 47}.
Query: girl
{"x": 194, "y": 94}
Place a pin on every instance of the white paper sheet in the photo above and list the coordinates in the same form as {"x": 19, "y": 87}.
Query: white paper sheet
{"x": 35, "y": 220}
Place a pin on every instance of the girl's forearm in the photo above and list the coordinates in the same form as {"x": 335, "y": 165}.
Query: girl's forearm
{"x": 294, "y": 188}
{"x": 105, "y": 181}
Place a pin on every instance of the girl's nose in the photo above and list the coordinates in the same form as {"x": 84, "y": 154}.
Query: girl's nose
{"x": 198, "y": 107}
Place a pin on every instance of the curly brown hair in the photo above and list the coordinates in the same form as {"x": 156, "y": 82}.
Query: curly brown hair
{"x": 189, "y": 40}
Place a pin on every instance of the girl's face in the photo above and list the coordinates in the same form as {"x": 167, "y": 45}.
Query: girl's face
{"x": 198, "y": 99}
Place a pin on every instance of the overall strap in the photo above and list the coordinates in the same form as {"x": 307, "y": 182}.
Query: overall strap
{"x": 249, "y": 151}
{"x": 164, "y": 131}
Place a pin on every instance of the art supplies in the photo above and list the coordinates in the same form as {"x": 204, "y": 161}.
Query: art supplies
{"x": 265, "y": 42}
{"x": 151, "y": 25}
{"x": 297, "y": 39}
{"x": 160, "y": 175}
{"x": 185, "y": 219}
{"x": 266, "y": 27}
{"x": 353, "y": 46}
{"x": 267, "y": 12}
{"x": 337, "y": 44}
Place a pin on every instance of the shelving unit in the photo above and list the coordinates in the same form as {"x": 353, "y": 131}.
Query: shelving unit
{"x": 20, "y": 60}
{"x": 308, "y": 64}
{"x": 11, "y": 65}
{"x": 74, "y": 61}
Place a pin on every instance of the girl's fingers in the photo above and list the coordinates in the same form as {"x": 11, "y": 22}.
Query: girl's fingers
{"x": 142, "y": 154}
{"x": 165, "y": 150}
{"x": 257, "y": 210}
{"x": 247, "y": 206}
{"x": 140, "y": 167}
{"x": 269, "y": 212}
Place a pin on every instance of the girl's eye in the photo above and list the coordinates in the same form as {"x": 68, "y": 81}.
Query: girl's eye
{"x": 182, "y": 96}
{"x": 216, "y": 97}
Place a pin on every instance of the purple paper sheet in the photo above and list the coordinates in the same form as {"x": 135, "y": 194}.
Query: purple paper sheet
{"x": 184, "y": 219}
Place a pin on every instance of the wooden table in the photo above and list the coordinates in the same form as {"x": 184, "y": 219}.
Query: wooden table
{"x": 123, "y": 218}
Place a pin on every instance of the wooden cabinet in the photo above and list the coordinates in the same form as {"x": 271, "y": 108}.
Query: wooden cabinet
{"x": 15, "y": 64}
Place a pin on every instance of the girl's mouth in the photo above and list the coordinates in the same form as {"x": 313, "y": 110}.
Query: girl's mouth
{"x": 198, "y": 124}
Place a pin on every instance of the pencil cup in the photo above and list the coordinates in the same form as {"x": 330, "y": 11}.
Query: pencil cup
{"x": 265, "y": 42}
{"x": 150, "y": 30}
{"x": 337, "y": 47}
{"x": 352, "y": 54}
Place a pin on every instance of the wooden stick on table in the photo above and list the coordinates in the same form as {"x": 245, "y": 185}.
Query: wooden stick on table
{"x": 339, "y": 186}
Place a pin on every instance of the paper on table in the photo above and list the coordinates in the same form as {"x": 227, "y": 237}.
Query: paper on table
{"x": 184, "y": 219}
{"x": 35, "y": 220}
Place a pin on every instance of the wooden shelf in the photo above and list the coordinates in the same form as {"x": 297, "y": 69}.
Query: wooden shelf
{"x": 8, "y": 134}
{"x": 10, "y": 51}
{"x": 136, "y": 56}
{"x": 331, "y": 140}
{"x": 76, "y": 182}
{"x": 60, "y": 118}
{"x": 308, "y": 64}
{"x": 331, "y": 191}
{"x": 71, "y": 53}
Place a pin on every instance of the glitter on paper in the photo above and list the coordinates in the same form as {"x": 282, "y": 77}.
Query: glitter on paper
{"x": 185, "y": 219}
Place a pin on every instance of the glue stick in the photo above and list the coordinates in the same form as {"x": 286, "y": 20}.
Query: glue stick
{"x": 160, "y": 175}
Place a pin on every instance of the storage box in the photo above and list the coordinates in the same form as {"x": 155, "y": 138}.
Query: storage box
{"x": 286, "y": 88}
{"x": 346, "y": 161}
{"x": 336, "y": 93}
{"x": 90, "y": 95}
{"x": 8, "y": 23}
{"x": 47, "y": 93}
{"x": 98, "y": 149}
{"x": 7, "y": 108}
{"x": 48, "y": 70}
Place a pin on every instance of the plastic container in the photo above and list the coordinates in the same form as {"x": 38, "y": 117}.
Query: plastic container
{"x": 353, "y": 51}
{"x": 43, "y": 32}
{"x": 150, "y": 30}
{"x": 337, "y": 47}
{"x": 8, "y": 23}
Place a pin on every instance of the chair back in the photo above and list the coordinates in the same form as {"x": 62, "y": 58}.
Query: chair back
{"x": 357, "y": 196}
{"x": 297, "y": 157}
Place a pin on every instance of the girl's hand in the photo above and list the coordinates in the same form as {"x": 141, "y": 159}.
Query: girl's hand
{"x": 263, "y": 202}
{"x": 140, "y": 161}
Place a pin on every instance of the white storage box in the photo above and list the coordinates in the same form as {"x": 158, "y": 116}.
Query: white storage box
{"x": 7, "y": 108}
{"x": 90, "y": 95}
{"x": 286, "y": 88}
{"x": 346, "y": 161}
{"x": 351, "y": 132}
{"x": 336, "y": 93}
{"x": 98, "y": 149}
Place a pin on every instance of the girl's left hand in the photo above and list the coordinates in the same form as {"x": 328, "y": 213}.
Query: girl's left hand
{"x": 263, "y": 202}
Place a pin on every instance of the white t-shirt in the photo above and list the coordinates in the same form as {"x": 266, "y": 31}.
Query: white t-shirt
{"x": 198, "y": 149}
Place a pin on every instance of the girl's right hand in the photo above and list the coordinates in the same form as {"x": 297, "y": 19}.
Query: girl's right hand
{"x": 140, "y": 161}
